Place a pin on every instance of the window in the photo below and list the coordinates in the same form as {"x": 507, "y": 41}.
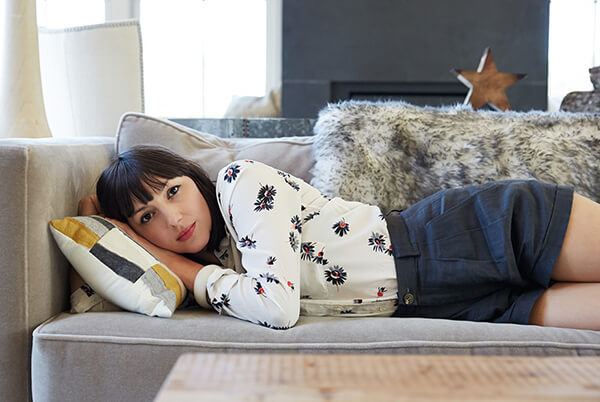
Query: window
{"x": 574, "y": 47}
{"x": 198, "y": 54}
{"x": 68, "y": 13}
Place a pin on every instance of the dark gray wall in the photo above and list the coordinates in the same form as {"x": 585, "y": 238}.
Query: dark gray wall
{"x": 404, "y": 49}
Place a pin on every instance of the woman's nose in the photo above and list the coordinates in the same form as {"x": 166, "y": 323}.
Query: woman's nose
{"x": 173, "y": 216}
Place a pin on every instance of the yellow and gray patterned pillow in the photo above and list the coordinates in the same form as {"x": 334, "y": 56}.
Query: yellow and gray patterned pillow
{"x": 117, "y": 267}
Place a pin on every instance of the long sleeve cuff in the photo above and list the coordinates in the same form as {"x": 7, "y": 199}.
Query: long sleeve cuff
{"x": 200, "y": 285}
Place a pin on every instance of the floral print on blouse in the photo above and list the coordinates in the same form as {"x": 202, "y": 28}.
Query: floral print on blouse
{"x": 290, "y": 250}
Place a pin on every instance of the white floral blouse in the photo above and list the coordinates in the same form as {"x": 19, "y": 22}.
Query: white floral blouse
{"x": 290, "y": 250}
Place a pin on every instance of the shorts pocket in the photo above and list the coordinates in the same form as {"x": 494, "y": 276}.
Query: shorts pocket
{"x": 457, "y": 206}
{"x": 451, "y": 281}
{"x": 467, "y": 245}
{"x": 469, "y": 231}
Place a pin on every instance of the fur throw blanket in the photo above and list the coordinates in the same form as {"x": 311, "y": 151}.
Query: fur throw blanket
{"x": 393, "y": 154}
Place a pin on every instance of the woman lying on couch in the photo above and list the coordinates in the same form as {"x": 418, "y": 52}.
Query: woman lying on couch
{"x": 265, "y": 246}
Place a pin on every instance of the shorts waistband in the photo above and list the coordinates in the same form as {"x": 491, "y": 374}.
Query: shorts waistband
{"x": 405, "y": 260}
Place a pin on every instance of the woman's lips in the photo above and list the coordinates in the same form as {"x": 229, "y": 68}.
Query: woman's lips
{"x": 187, "y": 232}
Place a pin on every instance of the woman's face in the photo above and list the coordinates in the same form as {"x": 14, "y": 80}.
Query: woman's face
{"x": 176, "y": 219}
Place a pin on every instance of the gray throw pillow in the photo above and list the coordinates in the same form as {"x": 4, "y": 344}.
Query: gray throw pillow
{"x": 289, "y": 154}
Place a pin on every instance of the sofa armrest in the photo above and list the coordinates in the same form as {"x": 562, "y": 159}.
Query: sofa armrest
{"x": 40, "y": 180}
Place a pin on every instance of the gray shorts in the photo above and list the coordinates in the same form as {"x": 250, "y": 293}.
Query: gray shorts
{"x": 479, "y": 253}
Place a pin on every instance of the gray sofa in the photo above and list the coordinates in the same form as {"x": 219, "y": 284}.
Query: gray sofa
{"x": 52, "y": 355}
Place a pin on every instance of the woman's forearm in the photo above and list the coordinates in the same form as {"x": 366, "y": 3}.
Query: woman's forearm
{"x": 183, "y": 267}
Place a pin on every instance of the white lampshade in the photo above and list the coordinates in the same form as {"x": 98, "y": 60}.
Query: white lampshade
{"x": 91, "y": 75}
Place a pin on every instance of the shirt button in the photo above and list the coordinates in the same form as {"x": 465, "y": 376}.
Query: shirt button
{"x": 409, "y": 298}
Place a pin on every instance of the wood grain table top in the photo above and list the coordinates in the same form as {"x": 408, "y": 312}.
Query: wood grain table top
{"x": 374, "y": 377}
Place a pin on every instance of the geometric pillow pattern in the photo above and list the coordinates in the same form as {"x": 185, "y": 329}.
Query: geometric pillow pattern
{"x": 117, "y": 267}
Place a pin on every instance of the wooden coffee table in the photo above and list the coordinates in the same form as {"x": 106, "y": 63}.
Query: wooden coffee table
{"x": 360, "y": 377}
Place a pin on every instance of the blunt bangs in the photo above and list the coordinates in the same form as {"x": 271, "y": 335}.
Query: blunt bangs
{"x": 128, "y": 179}
{"x": 135, "y": 174}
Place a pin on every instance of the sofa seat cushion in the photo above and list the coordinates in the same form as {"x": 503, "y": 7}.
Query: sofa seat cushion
{"x": 90, "y": 346}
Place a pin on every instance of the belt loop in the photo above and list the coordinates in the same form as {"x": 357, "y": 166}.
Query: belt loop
{"x": 405, "y": 259}
{"x": 402, "y": 246}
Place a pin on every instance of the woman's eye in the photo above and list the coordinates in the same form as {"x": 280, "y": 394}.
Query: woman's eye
{"x": 173, "y": 190}
{"x": 145, "y": 218}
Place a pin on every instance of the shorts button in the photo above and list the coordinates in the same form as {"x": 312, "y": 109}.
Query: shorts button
{"x": 409, "y": 298}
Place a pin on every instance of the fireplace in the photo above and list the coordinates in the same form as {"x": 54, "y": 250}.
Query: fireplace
{"x": 404, "y": 50}
{"x": 425, "y": 93}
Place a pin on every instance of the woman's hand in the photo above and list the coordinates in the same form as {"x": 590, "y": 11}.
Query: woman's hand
{"x": 89, "y": 206}
{"x": 183, "y": 267}
{"x": 186, "y": 269}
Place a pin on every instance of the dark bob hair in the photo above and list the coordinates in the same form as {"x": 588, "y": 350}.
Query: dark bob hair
{"x": 128, "y": 174}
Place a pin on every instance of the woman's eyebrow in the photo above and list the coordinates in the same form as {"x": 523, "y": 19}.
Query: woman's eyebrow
{"x": 140, "y": 209}
{"x": 164, "y": 185}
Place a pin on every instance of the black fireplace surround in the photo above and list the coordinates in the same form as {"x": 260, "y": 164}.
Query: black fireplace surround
{"x": 404, "y": 50}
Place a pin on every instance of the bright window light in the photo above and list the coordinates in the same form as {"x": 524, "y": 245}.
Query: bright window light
{"x": 198, "y": 55}
{"x": 573, "y": 47}
{"x": 57, "y": 14}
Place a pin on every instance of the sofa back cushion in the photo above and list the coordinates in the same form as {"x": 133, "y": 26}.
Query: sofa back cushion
{"x": 290, "y": 154}
{"x": 393, "y": 154}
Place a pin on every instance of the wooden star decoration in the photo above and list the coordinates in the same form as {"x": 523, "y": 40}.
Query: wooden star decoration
{"x": 487, "y": 85}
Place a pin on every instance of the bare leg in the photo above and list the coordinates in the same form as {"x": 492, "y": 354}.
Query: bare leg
{"x": 571, "y": 302}
{"x": 568, "y": 305}
{"x": 579, "y": 259}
